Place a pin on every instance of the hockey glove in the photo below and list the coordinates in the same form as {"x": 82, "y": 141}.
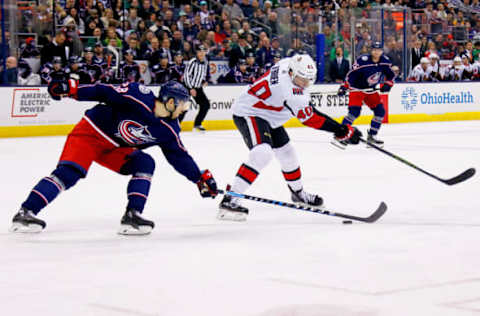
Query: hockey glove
{"x": 207, "y": 185}
{"x": 59, "y": 89}
{"x": 385, "y": 87}
{"x": 349, "y": 134}
{"x": 342, "y": 91}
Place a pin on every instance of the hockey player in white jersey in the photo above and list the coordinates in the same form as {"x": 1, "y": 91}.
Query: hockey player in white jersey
{"x": 420, "y": 72}
{"x": 455, "y": 71}
{"x": 259, "y": 113}
{"x": 433, "y": 72}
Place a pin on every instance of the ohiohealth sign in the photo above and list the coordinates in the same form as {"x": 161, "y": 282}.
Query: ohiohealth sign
{"x": 434, "y": 98}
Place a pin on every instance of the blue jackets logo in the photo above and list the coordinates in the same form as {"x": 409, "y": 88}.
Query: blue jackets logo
{"x": 409, "y": 98}
{"x": 134, "y": 133}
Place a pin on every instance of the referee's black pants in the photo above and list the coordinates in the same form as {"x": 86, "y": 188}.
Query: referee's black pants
{"x": 204, "y": 105}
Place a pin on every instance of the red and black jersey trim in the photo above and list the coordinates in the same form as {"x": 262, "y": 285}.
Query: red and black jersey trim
{"x": 292, "y": 175}
{"x": 247, "y": 173}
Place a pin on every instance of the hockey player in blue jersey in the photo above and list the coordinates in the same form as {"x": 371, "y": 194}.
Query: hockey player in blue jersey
{"x": 113, "y": 133}
{"x": 366, "y": 73}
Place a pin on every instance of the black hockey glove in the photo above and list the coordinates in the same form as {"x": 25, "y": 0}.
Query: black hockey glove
{"x": 59, "y": 89}
{"x": 349, "y": 134}
{"x": 385, "y": 87}
{"x": 342, "y": 91}
{"x": 207, "y": 185}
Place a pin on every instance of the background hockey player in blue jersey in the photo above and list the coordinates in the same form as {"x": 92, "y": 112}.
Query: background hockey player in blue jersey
{"x": 366, "y": 73}
{"x": 112, "y": 133}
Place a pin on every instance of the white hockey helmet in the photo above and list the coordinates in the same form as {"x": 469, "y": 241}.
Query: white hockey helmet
{"x": 433, "y": 56}
{"x": 303, "y": 66}
{"x": 424, "y": 60}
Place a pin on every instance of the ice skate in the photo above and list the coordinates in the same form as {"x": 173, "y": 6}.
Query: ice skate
{"x": 342, "y": 144}
{"x": 199, "y": 129}
{"x": 374, "y": 140}
{"x": 26, "y": 222}
{"x": 231, "y": 210}
{"x": 133, "y": 223}
{"x": 306, "y": 199}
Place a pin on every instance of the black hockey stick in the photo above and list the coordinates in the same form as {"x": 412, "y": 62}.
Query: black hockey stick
{"x": 382, "y": 208}
{"x": 467, "y": 174}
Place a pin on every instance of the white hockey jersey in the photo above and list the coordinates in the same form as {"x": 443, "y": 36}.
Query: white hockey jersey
{"x": 274, "y": 98}
{"x": 418, "y": 74}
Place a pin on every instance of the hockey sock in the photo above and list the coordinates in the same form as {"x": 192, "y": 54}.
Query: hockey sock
{"x": 379, "y": 113}
{"x": 141, "y": 166}
{"x": 288, "y": 159}
{"x": 353, "y": 114}
{"x": 62, "y": 178}
{"x": 258, "y": 158}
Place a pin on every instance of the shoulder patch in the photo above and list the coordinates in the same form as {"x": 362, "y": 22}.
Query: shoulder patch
{"x": 143, "y": 89}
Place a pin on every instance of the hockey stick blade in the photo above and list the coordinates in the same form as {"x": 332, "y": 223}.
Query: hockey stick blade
{"x": 467, "y": 174}
{"x": 382, "y": 208}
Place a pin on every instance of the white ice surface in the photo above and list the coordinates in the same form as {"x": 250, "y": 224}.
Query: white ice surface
{"x": 421, "y": 258}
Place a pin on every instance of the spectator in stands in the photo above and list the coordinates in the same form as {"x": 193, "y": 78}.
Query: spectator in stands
{"x": 276, "y": 48}
{"x": 10, "y": 75}
{"x": 234, "y": 12}
{"x": 29, "y": 49}
{"x": 178, "y": 67}
{"x": 25, "y": 75}
{"x": 339, "y": 67}
{"x": 133, "y": 45}
{"x": 187, "y": 51}
{"x": 55, "y": 48}
{"x": 265, "y": 53}
{"x": 247, "y": 8}
{"x": 112, "y": 37}
{"x": 165, "y": 49}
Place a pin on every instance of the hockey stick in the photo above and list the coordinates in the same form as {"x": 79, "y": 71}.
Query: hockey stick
{"x": 382, "y": 208}
{"x": 467, "y": 174}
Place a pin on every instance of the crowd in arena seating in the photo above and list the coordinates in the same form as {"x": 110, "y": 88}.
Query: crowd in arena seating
{"x": 104, "y": 40}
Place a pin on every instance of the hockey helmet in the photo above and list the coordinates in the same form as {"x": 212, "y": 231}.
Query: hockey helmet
{"x": 377, "y": 45}
{"x": 424, "y": 60}
{"x": 57, "y": 60}
{"x": 304, "y": 67}
{"x": 179, "y": 94}
{"x": 433, "y": 56}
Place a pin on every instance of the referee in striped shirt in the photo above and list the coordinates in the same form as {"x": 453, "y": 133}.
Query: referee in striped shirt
{"x": 196, "y": 76}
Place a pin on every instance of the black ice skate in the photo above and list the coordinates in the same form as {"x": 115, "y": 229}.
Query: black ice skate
{"x": 342, "y": 144}
{"x": 307, "y": 199}
{"x": 374, "y": 140}
{"x": 26, "y": 222}
{"x": 133, "y": 223}
{"x": 231, "y": 210}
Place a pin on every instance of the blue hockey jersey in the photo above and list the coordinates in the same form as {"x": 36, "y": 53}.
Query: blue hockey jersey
{"x": 366, "y": 74}
{"x": 126, "y": 118}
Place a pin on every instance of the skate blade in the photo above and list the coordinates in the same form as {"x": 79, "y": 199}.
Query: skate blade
{"x": 27, "y": 229}
{"x": 338, "y": 144}
{"x": 226, "y": 215}
{"x": 132, "y": 231}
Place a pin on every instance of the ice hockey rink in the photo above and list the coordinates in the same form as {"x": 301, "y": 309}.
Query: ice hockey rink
{"x": 421, "y": 258}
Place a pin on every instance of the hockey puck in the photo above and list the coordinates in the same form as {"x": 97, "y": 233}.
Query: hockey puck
{"x": 347, "y": 222}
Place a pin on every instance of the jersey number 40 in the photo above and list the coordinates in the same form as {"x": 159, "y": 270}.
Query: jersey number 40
{"x": 262, "y": 91}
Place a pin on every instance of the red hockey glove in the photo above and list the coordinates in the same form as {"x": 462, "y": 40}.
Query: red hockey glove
{"x": 59, "y": 89}
{"x": 207, "y": 185}
{"x": 349, "y": 134}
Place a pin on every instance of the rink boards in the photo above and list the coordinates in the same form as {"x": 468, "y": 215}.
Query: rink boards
{"x": 29, "y": 111}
